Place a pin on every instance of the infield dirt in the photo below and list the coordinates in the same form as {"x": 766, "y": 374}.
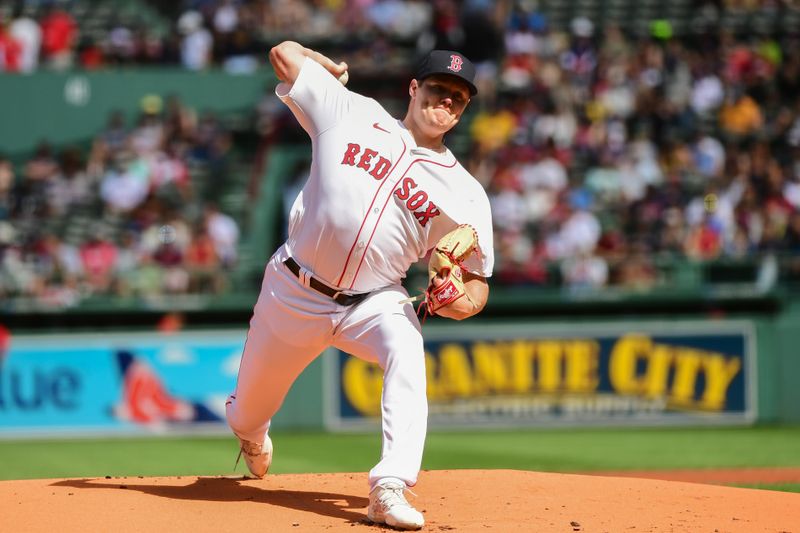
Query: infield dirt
{"x": 454, "y": 500}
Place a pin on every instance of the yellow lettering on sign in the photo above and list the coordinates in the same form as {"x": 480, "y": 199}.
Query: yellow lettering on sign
{"x": 687, "y": 366}
{"x": 491, "y": 373}
{"x": 684, "y": 377}
{"x": 622, "y": 366}
{"x": 550, "y": 356}
{"x": 362, "y": 384}
{"x": 434, "y": 392}
{"x": 455, "y": 374}
{"x": 672, "y": 372}
{"x": 521, "y": 354}
{"x": 581, "y": 365}
{"x": 657, "y": 375}
{"x": 719, "y": 373}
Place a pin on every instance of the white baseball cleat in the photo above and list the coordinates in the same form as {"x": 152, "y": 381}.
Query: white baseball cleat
{"x": 388, "y": 505}
{"x": 258, "y": 457}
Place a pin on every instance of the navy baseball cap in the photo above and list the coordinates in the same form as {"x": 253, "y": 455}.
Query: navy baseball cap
{"x": 450, "y": 63}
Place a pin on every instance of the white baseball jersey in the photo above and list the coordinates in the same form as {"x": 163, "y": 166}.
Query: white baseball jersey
{"x": 374, "y": 202}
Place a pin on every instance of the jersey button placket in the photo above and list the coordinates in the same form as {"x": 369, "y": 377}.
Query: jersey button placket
{"x": 359, "y": 256}
{"x": 372, "y": 216}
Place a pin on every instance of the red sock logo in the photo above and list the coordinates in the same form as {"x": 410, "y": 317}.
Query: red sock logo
{"x": 455, "y": 63}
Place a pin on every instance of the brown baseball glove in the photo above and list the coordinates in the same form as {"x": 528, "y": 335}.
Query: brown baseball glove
{"x": 446, "y": 260}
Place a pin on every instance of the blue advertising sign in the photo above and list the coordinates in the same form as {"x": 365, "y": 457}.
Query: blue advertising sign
{"x": 569, "y": 374}
{"x": 117, "y": 382}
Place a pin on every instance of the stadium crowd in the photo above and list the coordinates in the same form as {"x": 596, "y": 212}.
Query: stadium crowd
{"x": 603, "y": 156}
{"x": 605, "y": 151}
{"x": 130, "y": 218}
{"x": 232, "y": 34}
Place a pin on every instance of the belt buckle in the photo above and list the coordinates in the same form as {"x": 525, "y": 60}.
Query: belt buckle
{"x": 336, "y": 295}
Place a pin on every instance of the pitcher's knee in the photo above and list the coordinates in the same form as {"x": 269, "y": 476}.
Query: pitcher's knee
{"x": 237, "y": 420}
{"x": 230, "y": 413}
{"x": 411, "y": 374}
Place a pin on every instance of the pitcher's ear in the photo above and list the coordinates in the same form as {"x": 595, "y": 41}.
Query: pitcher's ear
{"x": 412, "y": 88}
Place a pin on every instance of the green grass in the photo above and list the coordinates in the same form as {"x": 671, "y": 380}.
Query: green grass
{"x": 554, "y": 450}
{"x": 782, "y": 487}
{"x": 620, "y": 449}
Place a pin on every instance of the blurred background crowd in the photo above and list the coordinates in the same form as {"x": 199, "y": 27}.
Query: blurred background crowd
{"x": 621, "y": 143}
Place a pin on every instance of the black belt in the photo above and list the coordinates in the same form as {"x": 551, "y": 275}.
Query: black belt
{"x": 338, "y": 296}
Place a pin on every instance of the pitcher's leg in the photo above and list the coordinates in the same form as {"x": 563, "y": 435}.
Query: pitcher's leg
{"x": 268, "y": 369}
{"x": 288, "y": 330}
{"x": 383, "y": 331}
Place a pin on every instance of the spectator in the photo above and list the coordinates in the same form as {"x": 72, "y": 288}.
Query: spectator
{"x": 59, "y": 32}
{"x": 224, "y": 233}
{"x": 740, "y": 114}
{"x": 10, "y": 50}
{"x": 580, "y": 232}
{"x": 708, "y": 93}
{"x": 580, "y": 59}
{"x": 125, "y": 185}
{"x": 169, "y": 178}
{"x": 70, "y": 186}
{"x": 197, "y": 43}
{"x": 148, "y": 281}
{"x": 240, "y": 53}
{"x": 791, "y": 239}
{"x": 170, "y": 228}
{"x": 90, "y": 54}
{"x": 98, "y": 260}
{"x": 121, "y": 44}
{"x": 148, "y": 135}
{"x": 7, "y": 182}
{"x": 509, "y": 213}
{"x": 175, "y": 277}
{"x": 226, "y": 18}
{"x": 115, "y": 134}
{"x": 129, "y": 258}
{"x": 28, "y": 34}
{"x": 42, "y": 165}
{"x": 59, "y": 266}
{"x": 492, "y": 129}
{"x": 704, "y": 240}
{"x": 180, "y": 121}
{"x": 708, "y": 154}
{"x": 16, "y": 269}
{"x": 637, "y": 270}
{"x": 584, "y": 271}
{"x": 202, "y": 263}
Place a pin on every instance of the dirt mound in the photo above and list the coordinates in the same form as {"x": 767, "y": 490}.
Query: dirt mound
{"x": 456, "y": 500}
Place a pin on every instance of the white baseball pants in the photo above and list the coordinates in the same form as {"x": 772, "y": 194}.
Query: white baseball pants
{"x": 292, "y": 324}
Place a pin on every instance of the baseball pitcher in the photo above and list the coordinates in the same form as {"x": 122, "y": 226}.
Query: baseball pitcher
{"x": 381, "y": 194}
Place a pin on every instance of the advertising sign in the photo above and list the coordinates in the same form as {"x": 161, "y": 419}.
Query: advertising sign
{"x": 569, "y": 374}
{"x": 116, "y": 383}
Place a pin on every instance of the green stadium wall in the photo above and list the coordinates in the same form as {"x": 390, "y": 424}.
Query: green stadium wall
{"x": 66, "y": 108}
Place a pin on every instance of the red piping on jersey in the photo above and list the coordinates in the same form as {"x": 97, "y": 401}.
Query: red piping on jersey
{"x": 366, "y": 215}
{"x": 355, "y": 276}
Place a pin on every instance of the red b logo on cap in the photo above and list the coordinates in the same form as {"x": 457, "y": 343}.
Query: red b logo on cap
{"x": 455, "y": 63}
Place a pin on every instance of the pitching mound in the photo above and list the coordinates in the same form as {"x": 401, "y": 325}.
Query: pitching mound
{"x": 461, "y": 500}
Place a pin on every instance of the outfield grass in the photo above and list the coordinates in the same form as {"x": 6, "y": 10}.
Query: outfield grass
{"x": 782, "y": 487}
{"x": 554, "y": 450}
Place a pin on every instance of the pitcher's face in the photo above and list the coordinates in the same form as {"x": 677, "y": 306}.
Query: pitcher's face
{"x": 438, "y": 102}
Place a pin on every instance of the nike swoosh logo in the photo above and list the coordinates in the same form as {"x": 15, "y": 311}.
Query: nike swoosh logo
{"x": 378, "y": 127}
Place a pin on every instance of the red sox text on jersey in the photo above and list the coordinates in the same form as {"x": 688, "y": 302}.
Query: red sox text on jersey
{"x": 416, "y": 199}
